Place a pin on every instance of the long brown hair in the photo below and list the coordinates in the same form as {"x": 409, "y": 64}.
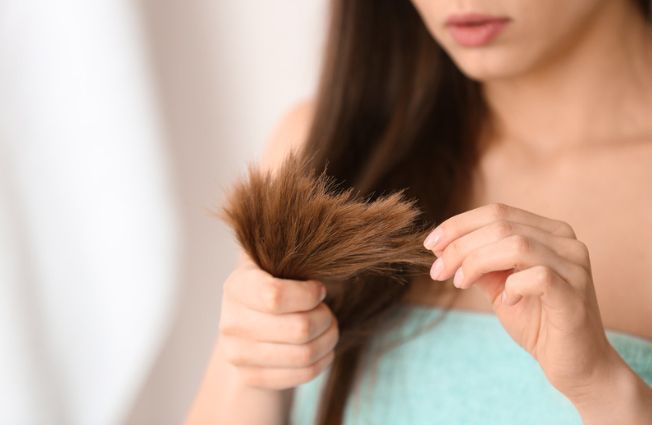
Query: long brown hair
{"x": 392, "y": 112}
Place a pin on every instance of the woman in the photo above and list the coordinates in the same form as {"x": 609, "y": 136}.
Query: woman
{"x": 524, "y": 129}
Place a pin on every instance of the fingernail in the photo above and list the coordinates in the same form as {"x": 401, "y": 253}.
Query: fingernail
{"x": 436, "y": 269}
{"x": 432, "y": 239}
{"x": 459, "y": 275}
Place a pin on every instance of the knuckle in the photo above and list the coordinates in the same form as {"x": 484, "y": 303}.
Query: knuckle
{"x": 583, "y": 251}
{"x": 331, "y": 318}
{"x": 565, "y": 229}
{"x": 520, "y": 243}
{"x": 330, "y": 312}
{"x": 306, "y": 354}
{"x": 301, "y": 328}
{"x": 332, "y": 330}
{"x": 498, "y": 210}
{"x": 503, "y": 228}
{"x": 273, "y": 295}
{"x": 332, "y": 338}
{"x": 545, "y": 277}
{"x": 321, "y": 311}
{"x": 581, "y": 284}
{"x": 582, "y": 278}
{"x": 310, "y": 372}
{"x": 325, "y": 310}
{"x": 315, "y": 289}
{"x": 330, "y": 357}
{"x": 445, "y": 228}
{"x": 336, "y": 331}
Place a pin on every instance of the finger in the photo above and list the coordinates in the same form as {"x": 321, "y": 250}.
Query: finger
{"x": 247, "y": 352}
{"x": 466, "y": 222}
{"x": 515, "y": 252}
{"x": 280, "y": 378}
{"x": 452, "y": 256}
{"x": 289, "y": 328}
{"x": 492, "y": 284}
{"x": 539, "y": 281}
{"x": 261, "y": 291}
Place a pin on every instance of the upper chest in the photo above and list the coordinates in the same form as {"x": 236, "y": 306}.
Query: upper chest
{"x": 605, "y": 194}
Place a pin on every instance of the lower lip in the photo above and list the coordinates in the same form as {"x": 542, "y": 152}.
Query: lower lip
{"x": 479, "y": 34}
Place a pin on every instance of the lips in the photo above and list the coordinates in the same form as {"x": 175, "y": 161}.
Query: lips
{"x": 476, "y": 30}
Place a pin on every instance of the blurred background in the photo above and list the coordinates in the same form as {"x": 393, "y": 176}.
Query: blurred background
{"x": 122, "y": 123}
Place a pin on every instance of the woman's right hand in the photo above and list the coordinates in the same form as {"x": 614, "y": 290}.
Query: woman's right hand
{"x": 276, "y": 333}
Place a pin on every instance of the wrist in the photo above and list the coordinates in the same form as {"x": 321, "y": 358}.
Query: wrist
{"x": 617, "y": 395}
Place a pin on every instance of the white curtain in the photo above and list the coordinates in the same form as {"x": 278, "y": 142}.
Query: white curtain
{"x": 121, "y": 123}
{"x": 89, "y": 231}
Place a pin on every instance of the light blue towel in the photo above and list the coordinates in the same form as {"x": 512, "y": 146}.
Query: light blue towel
{"x": 464, "y": 370}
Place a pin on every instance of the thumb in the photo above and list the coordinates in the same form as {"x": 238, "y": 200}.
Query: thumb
{"x": 492, "y": 285}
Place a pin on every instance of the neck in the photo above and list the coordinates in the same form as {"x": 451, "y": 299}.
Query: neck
{"x": 597, "y": 90}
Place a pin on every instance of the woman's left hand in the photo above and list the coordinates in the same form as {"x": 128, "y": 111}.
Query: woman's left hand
{"x": 537, "y": 276}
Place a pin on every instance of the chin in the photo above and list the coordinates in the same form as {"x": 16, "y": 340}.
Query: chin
{"x": 487, "y": 64}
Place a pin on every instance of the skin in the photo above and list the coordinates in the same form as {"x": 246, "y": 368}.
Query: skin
{"x": 274, "y": 334}
{"x": 537, "y": 276}
{"x": 572, "y": 260}
{"x": 543, "y": 79}
{"x": 278, "y": 325}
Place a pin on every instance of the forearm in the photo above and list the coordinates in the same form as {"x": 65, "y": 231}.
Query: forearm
{"x": 225, "y": 400}
{"x": 621, "y": 398}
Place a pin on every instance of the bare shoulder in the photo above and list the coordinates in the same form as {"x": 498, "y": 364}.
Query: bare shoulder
{"x": 290, "y": 133}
